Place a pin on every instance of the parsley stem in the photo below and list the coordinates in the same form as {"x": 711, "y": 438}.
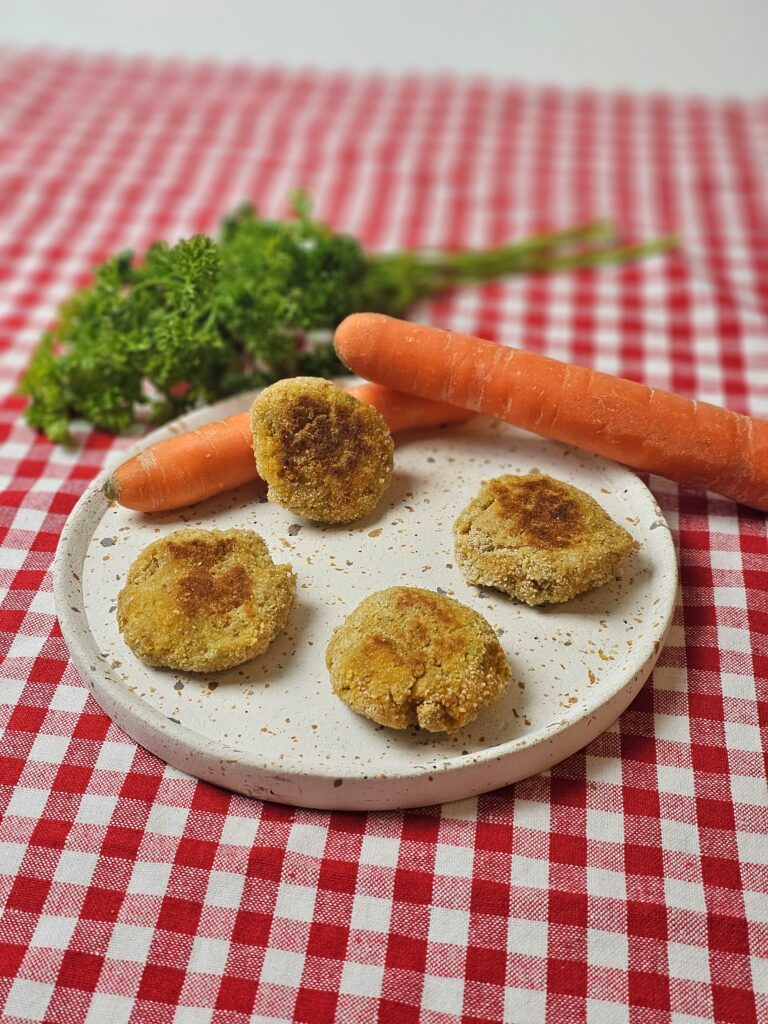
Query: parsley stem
{"x": 599, "y": 257}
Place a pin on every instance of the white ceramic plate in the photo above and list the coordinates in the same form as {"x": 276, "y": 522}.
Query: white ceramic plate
{"x": 273, "y": 729}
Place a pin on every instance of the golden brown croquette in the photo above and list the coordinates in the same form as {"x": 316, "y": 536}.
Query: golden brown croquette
{"x": 538, "y": 539}
{"x": 202, "y": 600}
{"x": 407, "y": 656}
{"x": 323, "y": 453}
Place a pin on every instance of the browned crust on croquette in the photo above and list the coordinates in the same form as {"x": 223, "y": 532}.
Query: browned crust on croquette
{"x": 323, "y": 453}
{"x": 407, "y": 656}
{"x": 204, "y": 600}
{"x": 538, "y": 539}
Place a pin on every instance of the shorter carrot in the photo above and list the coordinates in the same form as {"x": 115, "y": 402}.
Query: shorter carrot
{"x": 186, "y": 467}
{"x": 691, "y": 442}
{"x": 407, "y": 412}
{"x": 197, "y": 464}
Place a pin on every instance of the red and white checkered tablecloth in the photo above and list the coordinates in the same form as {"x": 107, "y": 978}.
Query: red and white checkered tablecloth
{"x": 629, "y": 883}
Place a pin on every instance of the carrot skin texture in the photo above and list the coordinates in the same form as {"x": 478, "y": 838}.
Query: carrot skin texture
{"x": 652, "y": 430}
{"x": 198, "y": 464}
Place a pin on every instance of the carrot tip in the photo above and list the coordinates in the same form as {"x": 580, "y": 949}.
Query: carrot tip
{"x": 112, "y": 489}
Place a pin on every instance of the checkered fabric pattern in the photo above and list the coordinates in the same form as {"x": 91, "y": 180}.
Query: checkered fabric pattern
{"x": 630, "y": 883}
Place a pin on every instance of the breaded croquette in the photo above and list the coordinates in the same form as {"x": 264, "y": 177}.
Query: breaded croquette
{"x": 538, "y": 539}
{"x": 323, "y": 453}
{"x": 406, "y": 656}
{"x": 203, "y": 600}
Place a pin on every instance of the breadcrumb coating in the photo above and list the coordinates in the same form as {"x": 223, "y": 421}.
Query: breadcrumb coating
{"x": 203, "y": 600}
{"x": 408, "y": 656}
{"x": 323, "y": 453}
{"x": 538, "y": 539}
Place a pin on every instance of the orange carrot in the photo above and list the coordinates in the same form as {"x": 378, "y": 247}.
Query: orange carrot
{"x": 189, "y": 467}
{"x": 406, "y": 412}
{"x": 648, "y": 429}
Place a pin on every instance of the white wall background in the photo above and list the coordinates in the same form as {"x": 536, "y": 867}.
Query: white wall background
{"x": 712, "y": 46}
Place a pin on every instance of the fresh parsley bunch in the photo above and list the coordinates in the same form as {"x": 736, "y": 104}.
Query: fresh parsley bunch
{"x": 206, "y": 318}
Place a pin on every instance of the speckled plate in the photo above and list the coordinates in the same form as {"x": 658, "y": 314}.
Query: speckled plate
{"x": 273, "y": 729}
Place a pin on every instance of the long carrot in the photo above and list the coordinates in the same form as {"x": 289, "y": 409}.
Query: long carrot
{"x": 646, "y": 428}
{"x": 198, "y": 464}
